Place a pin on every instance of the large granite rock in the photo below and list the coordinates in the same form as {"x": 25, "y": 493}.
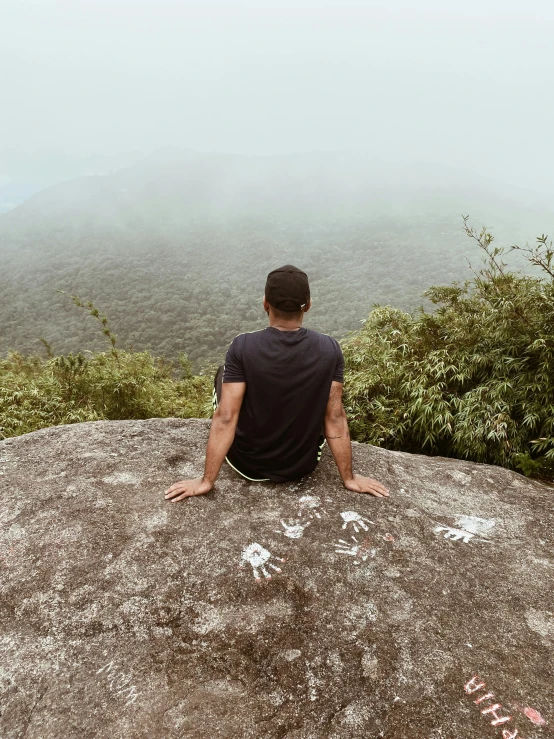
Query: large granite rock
{"x": 266, "y": 611}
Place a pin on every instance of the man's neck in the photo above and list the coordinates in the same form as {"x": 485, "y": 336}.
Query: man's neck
{"x": 284, "y": 325}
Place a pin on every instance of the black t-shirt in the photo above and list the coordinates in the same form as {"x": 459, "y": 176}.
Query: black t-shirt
{"x": 288, "y": 376}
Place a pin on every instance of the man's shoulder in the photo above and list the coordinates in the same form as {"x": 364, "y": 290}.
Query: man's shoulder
{"x": 248, "y": 336}
{"x": 324, "y": 339}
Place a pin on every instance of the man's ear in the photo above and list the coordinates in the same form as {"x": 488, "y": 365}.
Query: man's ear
{"x": 266, "y": 305}
{"x": 307, "y": 308}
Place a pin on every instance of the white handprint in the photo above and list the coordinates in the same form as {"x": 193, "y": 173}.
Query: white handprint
{"x": 356, "y": 520}
{"x": 360, "y": 550}
{"x": 309, "y": 505}
{"x": 293, "y": 530}
{"x": 455, "y": 534}
{"x": 257, "y": 556}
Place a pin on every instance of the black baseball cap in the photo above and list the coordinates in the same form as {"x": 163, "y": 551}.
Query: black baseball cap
{"x": 287, "y": 288}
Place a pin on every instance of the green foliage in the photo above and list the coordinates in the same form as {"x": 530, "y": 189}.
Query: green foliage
{"x": 95, "y": 313}
{"x": 48, "y": 347}
{"x": 35, "y": 393}
{"x": 526, "y": 464}
{"x": 474, "y": 379}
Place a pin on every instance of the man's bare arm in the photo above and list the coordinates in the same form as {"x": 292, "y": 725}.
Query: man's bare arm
{"x": 222, "y": 433}
{"x": 338, "y": 438}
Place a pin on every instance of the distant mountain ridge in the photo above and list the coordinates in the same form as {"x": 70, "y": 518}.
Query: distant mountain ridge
{"x": 175, "y": 248}
{"x": 184, "y": 185}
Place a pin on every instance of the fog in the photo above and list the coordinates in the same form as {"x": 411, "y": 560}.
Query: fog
{"x": 89, "y": 86}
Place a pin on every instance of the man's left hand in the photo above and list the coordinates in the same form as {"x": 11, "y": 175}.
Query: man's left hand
{"x": 359, "y": 484}
{"x": 187, "y": 488}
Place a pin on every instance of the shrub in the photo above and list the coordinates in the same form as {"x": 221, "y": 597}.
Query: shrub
{"x": 36, "y": 392}
{"x": 473, "y": 379}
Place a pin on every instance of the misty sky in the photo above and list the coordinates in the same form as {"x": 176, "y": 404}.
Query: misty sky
{"x": 89, "y": 84}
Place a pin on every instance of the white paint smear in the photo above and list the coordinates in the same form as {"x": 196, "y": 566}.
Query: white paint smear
{"x": 454, "y": 534}
{"x": 474, "y": 524}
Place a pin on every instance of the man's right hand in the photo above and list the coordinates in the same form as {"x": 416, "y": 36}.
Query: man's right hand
{"x": 359, "y": 484}
{"x": 187, "y": 488}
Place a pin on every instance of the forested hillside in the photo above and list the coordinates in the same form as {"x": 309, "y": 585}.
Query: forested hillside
{"x": 176, "y": 248}
{"x": 472, "y": 379}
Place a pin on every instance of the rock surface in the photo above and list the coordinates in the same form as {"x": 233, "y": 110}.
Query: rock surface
{"x": 123, "y": 615}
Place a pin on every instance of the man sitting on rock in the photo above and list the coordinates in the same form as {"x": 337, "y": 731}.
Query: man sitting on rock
{"x": 279, "y": 389}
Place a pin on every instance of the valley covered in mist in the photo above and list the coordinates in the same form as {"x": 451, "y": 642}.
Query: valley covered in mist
{"x": 175, "y": 248}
